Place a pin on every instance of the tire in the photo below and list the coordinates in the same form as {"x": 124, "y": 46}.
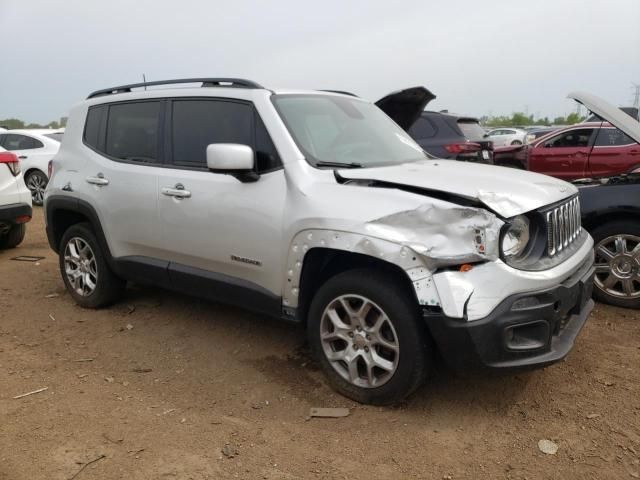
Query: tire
{"x": 403, "y": 330}
{"x": 13, "y": 237}
{"x": 95, "y": 285}
{"x": 36, "y": 181}
{"x": 618, "y": 266}
{"x": 516, "y": 142}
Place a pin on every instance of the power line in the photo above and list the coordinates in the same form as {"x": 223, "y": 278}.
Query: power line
{"x": 636, "y": 94}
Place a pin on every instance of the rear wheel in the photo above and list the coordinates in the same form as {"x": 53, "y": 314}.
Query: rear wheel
{"x": 36, "y": 181}
{"x": 85, "y": 271}
{"x": 365, "y": 330}
{"x": 617, "y": 263}
{"x": 13, "y": 237}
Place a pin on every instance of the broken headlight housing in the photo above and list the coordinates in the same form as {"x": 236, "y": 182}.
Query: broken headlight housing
{"x": 515, "y": 238}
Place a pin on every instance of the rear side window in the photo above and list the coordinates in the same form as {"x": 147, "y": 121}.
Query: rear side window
{"x": 422, "y": 129}
{"x": 612, "y": 137}
{"x": 198, "y": 123}
{"x": 132, "y": 131}
{"x": 92, "y": 126}
{"x": 14, "y": 141}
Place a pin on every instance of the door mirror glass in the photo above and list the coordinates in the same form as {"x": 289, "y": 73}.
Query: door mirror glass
{"x": 232, "y": 158}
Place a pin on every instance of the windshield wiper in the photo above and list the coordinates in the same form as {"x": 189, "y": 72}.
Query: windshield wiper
{"x": 339, "y": 164}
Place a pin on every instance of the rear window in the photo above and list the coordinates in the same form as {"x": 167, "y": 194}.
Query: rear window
{"x": 471, "y": 129}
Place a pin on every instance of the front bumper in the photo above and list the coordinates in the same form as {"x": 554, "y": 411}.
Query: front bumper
{"x": 15, "y": 213}
{"x": 526, "y": 330}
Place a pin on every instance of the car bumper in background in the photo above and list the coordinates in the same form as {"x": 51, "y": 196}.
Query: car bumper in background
{"x": 15, "y": 213}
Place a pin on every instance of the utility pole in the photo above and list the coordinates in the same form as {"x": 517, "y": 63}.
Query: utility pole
{"x": 636, "y": 94}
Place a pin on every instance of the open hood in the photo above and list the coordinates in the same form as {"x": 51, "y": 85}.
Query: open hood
{"x": 406, "y": 106}
{"x": 506, "y": 191}
{"x": 608, "y": 112}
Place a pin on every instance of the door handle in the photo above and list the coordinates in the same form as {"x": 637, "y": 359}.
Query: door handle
{"x": 177, "y": 191}
{"x": 22, "y": 157}
{"x": 98, "y": 180}
{"x": 634, "y": 152}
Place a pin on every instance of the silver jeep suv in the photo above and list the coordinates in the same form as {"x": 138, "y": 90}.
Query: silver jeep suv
{"x": 316, "y": 207}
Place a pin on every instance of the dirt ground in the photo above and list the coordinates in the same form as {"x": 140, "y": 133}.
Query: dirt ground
{"x": 161, "y": 384}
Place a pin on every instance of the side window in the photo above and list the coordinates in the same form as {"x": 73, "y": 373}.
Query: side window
{"x": 92, "y": 126}
{"x": 267, "y": 158}
{"x": 132, "y": 131}
{"x": 422, "y": 129}
{"x": 14, "y": 141}
{"x": 612, "y": 137}
{"x": 198, "y": 123}
{"x": 572, "y": 138}
{"x": 3, "y": 137}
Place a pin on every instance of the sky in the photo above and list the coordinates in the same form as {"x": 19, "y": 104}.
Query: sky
{"x": 490, "y": 57}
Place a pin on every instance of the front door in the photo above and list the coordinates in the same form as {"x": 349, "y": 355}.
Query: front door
{"x": 564, "y": 155}
{"x": 220, "y": 227}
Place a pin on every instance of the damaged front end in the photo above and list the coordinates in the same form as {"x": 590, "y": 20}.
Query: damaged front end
{"x": 434, "y": 236}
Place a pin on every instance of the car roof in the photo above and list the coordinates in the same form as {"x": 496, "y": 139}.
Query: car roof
{"x": 35, "y": 131}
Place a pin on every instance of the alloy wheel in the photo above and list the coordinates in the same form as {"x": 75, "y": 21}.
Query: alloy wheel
{"x": 360, "y": 341}
{"x": 80, "y": 266}
{"x": 37, "y": 184}
{"x": 618, "y": 266}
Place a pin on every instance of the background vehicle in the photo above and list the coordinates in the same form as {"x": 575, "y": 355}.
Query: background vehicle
{"x": 384, "y": 264}
{"x": 34, "y": 149}
{"x": 611, "y": 214}
{"x": 507, "y": 136}
{"x": 441, "y": 134}
{"x": 581, "y": 151}
{"x": 15, "y": 201}
{"x": 633, "y": 112}
{"x": 535, "y": 133}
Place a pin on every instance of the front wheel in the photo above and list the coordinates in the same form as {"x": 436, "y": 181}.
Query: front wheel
{"x": 617, "y": 263}
{"x": 85, "y": 271}
{"x": 516, "y": 142}
{"x": 36, "y": 182}
{"x": 364, "y": 328}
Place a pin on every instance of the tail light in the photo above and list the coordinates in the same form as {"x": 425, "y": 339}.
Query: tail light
{"x": 11, "y": 161}
{"x": 49, "y": 168}
{"x": 463, "y": 147}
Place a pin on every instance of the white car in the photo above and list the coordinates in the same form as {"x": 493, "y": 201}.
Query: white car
{"x": 34, "y": 149}
{"x": 318, "y": 208}
{"x": 501, "y": 137}
{"x": 15, "y": 201}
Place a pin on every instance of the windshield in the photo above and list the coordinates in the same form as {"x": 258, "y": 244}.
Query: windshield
{"x": 340, "y": 130}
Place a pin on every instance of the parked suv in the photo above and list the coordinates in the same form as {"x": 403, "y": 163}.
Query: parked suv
{"x": 15, "y": 201}
{"x": 316, "y": 207}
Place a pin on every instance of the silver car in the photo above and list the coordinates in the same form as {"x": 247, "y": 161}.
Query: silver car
{"x": 316, "y": 207}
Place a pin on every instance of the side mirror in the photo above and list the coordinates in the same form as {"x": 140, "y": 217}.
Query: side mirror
{"x": 233, "y": 159}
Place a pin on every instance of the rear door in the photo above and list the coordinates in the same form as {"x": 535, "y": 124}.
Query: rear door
{"x": 121, "y": 174}
{"x": 220, "y": 228}
{"x": 564, "y": 155}
{"x": 613, "y": 153}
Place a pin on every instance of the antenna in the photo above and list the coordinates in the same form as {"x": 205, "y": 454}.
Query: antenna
{"x": 144, "y": 80}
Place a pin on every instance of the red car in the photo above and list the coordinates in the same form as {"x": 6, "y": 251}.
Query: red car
{"x": 593, "y": 149}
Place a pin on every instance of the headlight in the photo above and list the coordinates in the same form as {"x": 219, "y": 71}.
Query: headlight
{"x": 516, "y": 237}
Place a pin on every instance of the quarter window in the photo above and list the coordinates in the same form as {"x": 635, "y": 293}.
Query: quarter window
{"x": 611, "y": 137}
{"x": 92, "y": 126}
{"x": 422, "y": 129}
{"x": 132, "y": 131}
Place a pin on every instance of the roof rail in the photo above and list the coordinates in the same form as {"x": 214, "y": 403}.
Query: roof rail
{"x": 206, "y": 82}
